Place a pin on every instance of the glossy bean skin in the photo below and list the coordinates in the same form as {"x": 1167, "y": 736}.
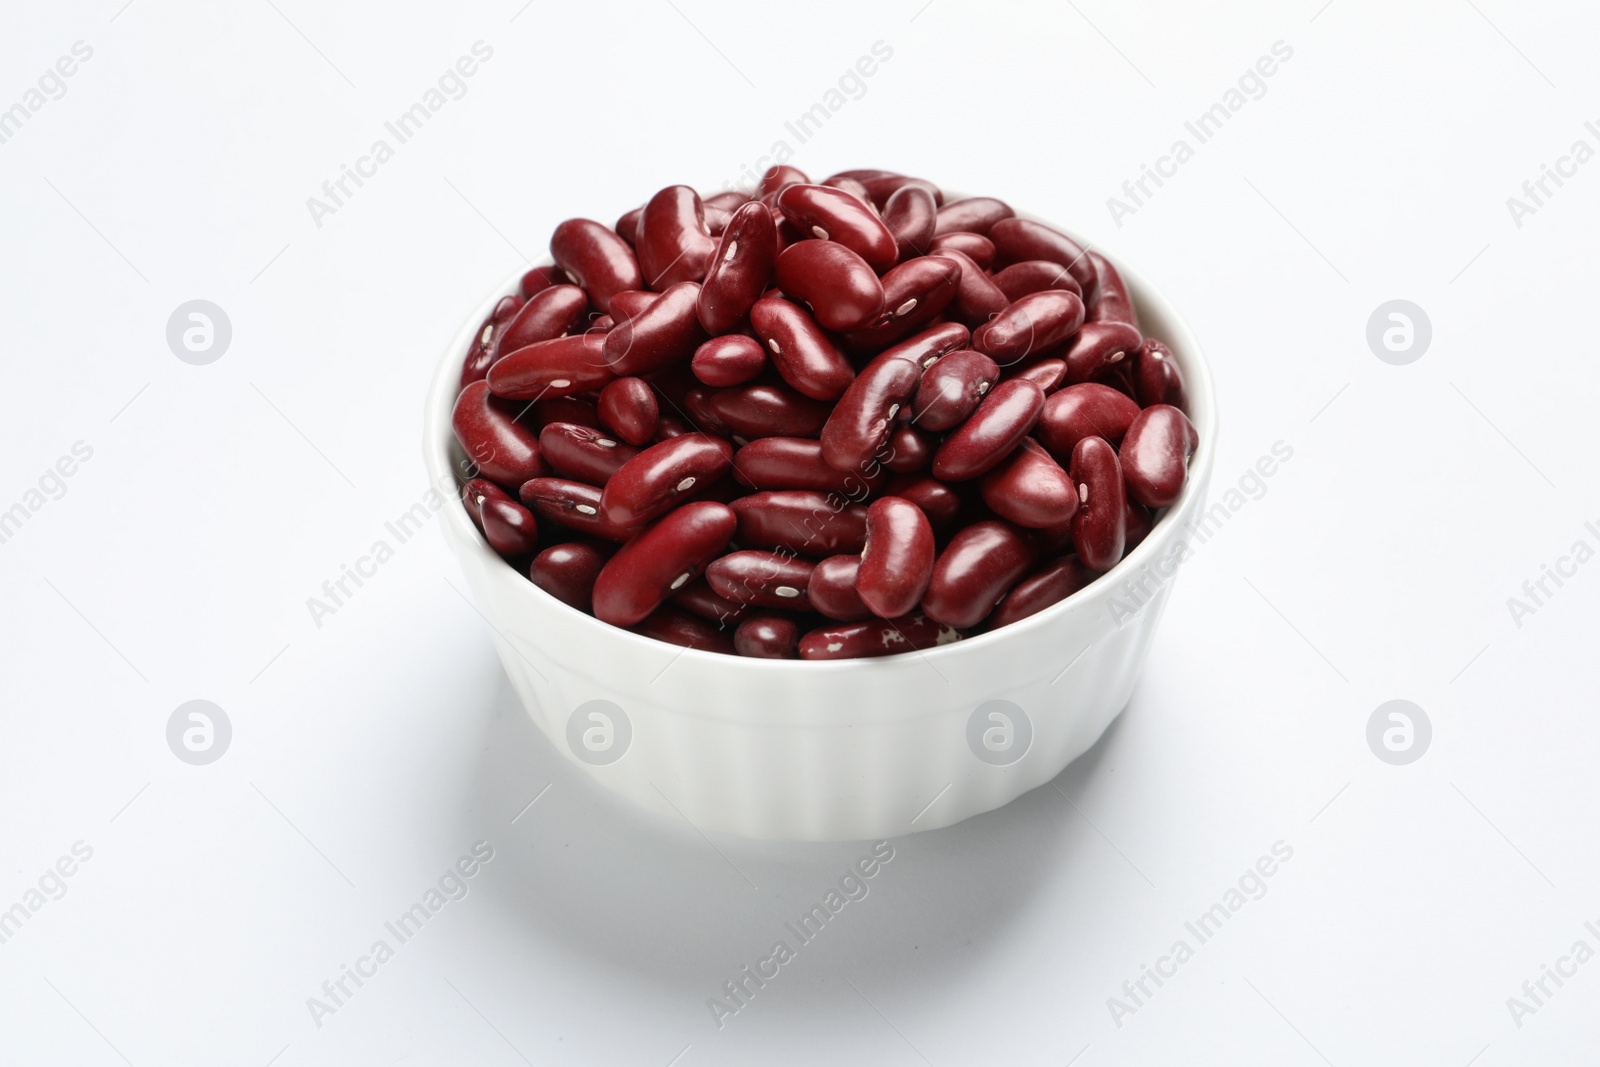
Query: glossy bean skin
{"x": 729, "y": 201}
{"x": 1156, "y": 377}
{"x": 762, "y": 410}
{"x": 739, "y": 269}
{"x": 582, "y": 453}
{"x": 908, "y": 450}
{"x": 1038, "y": 591}
{"x": 567, "y": 572}
{"x": 940, "y": 503}
{"x": 849, "y": 185}
{"x": 977, "y": 296}
{"x": 595, "y": 259}
{"x": 559, "y": 367}
{"x": 975, "y": 214}
{"x": 674, "y": 245}
{"x": 573, "y": 504}
{"x": 1099, "y": 528}
{"x": 832, "y": 589}
{"x": 897, "y": 561}
{"x": 509, "y": 527}
{"x": 547, "y": 315}
{"x": 777, "y": 177}
{"x": 952, "y": 388}
{"x": 931, "y": 345}
{"x": 664, "y": 556}
{"x": 695, "y": 596}
{"x": 574, "y": 409}
{"x": 1155, "y": 455}
{"x": 880, "y": 637}
{"x": 1035, "y": 276}
{"x": 1029, "y": 325}
{"x": 732, "y": 359}
{"x": 804, "y": 356}
{"x": 1097, "y": 346}
{"x": 1017, "y": 240}
{"x": 762, "y": 578}
{"x": 976, "y": 569}
{"x": 841, "y": 290}
{"x": 1003, "y": 418}
{"x": 628, "y": 408}
{"x": 881, "y": 185}
{"x": 797, "y": 463}
{"x": 504, "y": 449}
{"x": 656, "y": 479}
{"x": 910, "y": 213}
{"x": 1139, "y": 522}
{"x": 864, "y": 417}
{"x": 1110, "y": 301}
{"x": 484, "y": 350}
{"x": 630, "y": 302}
{"x": 914, "y": 294}
{"x": 665, "y": 332}
{"x": 1087, "y": 409}
{"x": 1030, "y": 489}
{"x": 537, "y": 279}
{"x": 768, "y": 636}
{"x": 804, "y": 521}
{"x": 680, "y": 628}
{"x": 974, "y": 246}
{"x": 1047, "y": 374}
{"x": 627, "y": 226}
{"x": 835, "y": 215}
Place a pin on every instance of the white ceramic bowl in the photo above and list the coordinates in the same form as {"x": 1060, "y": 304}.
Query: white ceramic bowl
{"x": 840, "y": 750}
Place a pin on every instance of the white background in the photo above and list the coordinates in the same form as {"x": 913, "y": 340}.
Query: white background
{"x": 371, "y": 752}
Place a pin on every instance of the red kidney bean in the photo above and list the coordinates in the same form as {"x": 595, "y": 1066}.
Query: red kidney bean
{"x": 1047, "y": 374}
{"x": 547, "y": 315}
{"x": 931, "y": 345}
{"x": 914, "y": 294}
{"x": 849, "y": 185}
{"x": 559, "y": 367}
{"x": 1053, "y": 540}
{"x": 1099, "y": 528}
{"x": 881, "y": 185}
{"x": 976, "y": 569}
{"x": 1017, "y": 240}
{"x": 1097, "y": 346}
{"x": 729, "y": 201}
{"x": 675, "y": 245}
{"x": 864, "y": 417}
{"x": 910, "y": 214}
{"x": 567, "y": 571}
{"x": 881, "y": 637}
{"x": 739, "y": 269}
{"x": 768, "y": 636}
{"x": 697, "y": 598}
{"x": 662, "y": 334}
{"x": 1156, "y": 377}
{"x": 765, "y": 579}
{"x": 1038, "y": 591}
{"x": 717, "y": 220}
{"x": 1035, "y": 276}
{"x": 1003, "y": 418}
{"x": 509, "y": 527}
{"x": 538, "y": 279}
{"x": 596, "y": 259}
{"x": 907, "y": 451}
{"x": 801, "y": 352}
{"x": 842, "y": 291}
{"x": 1139, "y": 523}
{"x": 975, "y": 214}
{"x": 974, "y": 246}
{"x": 573, "y": 504}
{"x": 1032, "y": 324}
{"x": 832, "y": 589}
{"x": 1109, "y": 301}
{"x": 835, "y": 215}
{"x": 680, "y": 628}
{"x": 627, "y": 226}
{"x": 628, "y": 408}
{"x": 798, "y": 463}
{"x": 485, "y": 350}
{"x": 731, "y": 359}
{"x": 601, "y": 325}
{"x": 940, "y": 503}
{"x": 1087, "y": 409}
{"x": 765, "y": 411}
{"x": 812, "y": 523}
{"x": 776, "y": 177}
{"x": 656, "y": 479}
{"x": 670, "y": 426}
{"x": 1155, "y": 455}
{"x": 977, "y": 297}
{"x": 625, "y": 305}
{"x": 659, "y": 560}
{"x": 504, "y": 450}
{"x": 574, "y": 409}
{"x": 952, "y": 388}
{"x": 1030, "y": 489}
{"x": 897, "y": 560}
{"x": 582, "y": 453}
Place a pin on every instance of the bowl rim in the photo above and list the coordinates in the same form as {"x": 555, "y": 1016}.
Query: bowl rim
{"x": 1199, "y": 389}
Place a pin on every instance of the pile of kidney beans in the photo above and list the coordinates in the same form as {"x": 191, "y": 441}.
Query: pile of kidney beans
{"x": 830, "y": 420}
